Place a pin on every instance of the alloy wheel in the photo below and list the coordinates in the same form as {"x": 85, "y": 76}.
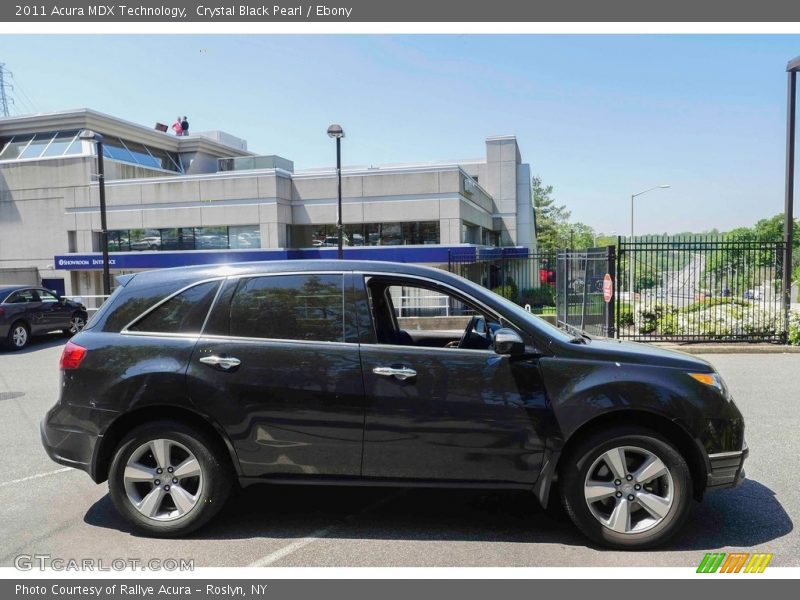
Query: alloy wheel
{"x": 76, "y": 324}
{"x": 19, "y": 336}
{"x": 629, "y": 489}
{"x": 163, "y": 480}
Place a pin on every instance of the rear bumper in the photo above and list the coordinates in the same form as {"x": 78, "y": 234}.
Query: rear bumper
{"x": 727, "y": 469}
{"x": 67, "y": 444}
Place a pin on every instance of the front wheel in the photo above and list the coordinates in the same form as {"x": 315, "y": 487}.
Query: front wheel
{"x": 627, "y": 488}
{"x": 76, "y": 324}
{"x": 168, "y": 479}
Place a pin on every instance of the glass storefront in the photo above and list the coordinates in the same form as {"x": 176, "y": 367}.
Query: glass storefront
{"x": 239, "y": 237}
{"x": 364, "y": 234}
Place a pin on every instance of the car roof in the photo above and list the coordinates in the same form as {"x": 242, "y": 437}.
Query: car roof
{"x": 197, "y": 272}
{"x": 7, "y": 289}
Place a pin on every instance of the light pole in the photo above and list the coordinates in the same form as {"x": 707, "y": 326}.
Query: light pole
{"x": 336, "y": 131}
{"x": 93, "y": 136}
{"x": 630, "y": 254}
{"x": 788, "y": 211}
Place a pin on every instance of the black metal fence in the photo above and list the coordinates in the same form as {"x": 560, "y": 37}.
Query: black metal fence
{"x": 581, "y": 304}
{"x": 525, "y": 278}
{"x": 700, "y": 288}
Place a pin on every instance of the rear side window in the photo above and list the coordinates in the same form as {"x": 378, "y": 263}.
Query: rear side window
{"x": 289, "y": 307}
{"x": 183, "y": 313}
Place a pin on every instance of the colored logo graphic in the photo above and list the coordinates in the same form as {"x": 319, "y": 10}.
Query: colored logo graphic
{"x": 735, "y": 562}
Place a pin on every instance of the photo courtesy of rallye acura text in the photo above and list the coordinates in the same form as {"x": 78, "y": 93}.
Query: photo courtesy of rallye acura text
{"x": 188, "y": 381}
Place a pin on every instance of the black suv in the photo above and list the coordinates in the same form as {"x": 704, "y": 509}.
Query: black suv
{"x": 27, "y": 311}
{"x": 190, "y": 380}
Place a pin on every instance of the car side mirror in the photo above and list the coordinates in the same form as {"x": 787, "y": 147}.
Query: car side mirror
{"x": 507, "y": 341}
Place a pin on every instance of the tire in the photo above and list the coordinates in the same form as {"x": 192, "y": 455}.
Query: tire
{"x": 591, "y": 494}
{"x": 19, "y": 336}
{"x": 172, "y": 510}
{"x": 76, "y": 323}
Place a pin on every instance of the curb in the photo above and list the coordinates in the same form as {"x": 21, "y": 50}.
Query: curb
{"x": 744, "y": 348}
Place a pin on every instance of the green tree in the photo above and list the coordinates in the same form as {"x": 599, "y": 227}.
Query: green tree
{"x": 553, "y": 227}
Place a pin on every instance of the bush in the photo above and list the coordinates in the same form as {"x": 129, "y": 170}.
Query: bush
{"x": 506, "y": 291}
{"x": 626, "y": 318}
{"x": 539, "y": 296}
{"x": 794, "y": 328}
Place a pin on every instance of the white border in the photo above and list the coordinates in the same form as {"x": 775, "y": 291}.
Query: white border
{"x": 177, "y": 27}
{"x": 266, "y": 573}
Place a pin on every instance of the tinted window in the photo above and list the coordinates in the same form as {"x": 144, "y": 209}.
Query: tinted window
{"x": 24, "y": 296}
{"x": 46, "y": 296}
{"x": 184, "y": 313}
{"x": 289, "y": 307}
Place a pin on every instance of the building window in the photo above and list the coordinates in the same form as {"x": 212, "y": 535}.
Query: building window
{"x": 135, "y": 153}
{"x": 364, "y": 234}
{"x": 470, "y": 234}
{"x": 53, "y": 143}
{"x": 238, "y": 237}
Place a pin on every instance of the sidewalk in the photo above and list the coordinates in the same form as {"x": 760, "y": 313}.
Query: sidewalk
{"x": 741, "y": 348}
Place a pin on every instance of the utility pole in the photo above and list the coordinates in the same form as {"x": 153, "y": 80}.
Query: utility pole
{"x": 5, "y": 100}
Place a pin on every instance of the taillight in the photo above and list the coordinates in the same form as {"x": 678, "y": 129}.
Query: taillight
{"x": 72, "y": 356}
{"x": 1, "y": 311}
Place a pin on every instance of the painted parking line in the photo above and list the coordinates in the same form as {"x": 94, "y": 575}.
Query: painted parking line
{"x": 323, "y": 532}
{"x": 37, "y": 476}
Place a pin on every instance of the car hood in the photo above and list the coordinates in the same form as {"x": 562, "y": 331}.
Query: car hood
{"x": 633, "y": 353}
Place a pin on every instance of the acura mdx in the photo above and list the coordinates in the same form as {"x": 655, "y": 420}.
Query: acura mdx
{"x": 190, "y": 381}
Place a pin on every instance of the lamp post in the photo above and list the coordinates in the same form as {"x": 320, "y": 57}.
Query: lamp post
{"x": 93, "y": 136}
{"x": 630, "y": 254}
{"x": 336, "y": 131}
{"x": 788, "y": 211}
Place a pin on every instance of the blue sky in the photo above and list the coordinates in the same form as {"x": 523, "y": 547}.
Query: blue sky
{"x": 598, "y": 117}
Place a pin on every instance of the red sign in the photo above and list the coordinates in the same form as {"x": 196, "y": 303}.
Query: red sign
{"x": 608, "y": 288}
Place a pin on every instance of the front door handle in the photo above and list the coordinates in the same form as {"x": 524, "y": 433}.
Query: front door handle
{"x": 401, "y": 373}
{"x": 223, "y": 362}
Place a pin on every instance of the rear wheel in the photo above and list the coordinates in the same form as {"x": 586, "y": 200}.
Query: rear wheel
{"x": 168, "y": 479}
{"x": 627, "y": 488}
{"x": 19, "y": 334}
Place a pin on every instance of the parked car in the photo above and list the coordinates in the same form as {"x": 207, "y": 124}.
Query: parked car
{"x": 188, "y": 381}
{"x": 27, "y": 311}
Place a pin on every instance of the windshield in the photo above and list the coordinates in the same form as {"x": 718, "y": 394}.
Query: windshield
{"x": 539, "y": 323}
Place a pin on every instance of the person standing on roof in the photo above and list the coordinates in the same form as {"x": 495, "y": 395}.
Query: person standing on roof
{"x": 177, "y": 126}
{"x": 185, "y": 126}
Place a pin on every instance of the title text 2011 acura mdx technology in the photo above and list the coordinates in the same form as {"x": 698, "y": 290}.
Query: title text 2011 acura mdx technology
{"x": 190, "y": 380}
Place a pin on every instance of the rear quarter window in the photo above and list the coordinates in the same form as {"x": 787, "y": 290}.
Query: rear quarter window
{"x": 183, "y": 313}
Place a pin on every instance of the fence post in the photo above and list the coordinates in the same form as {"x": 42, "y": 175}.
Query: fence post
{"x": 610, "y": 305}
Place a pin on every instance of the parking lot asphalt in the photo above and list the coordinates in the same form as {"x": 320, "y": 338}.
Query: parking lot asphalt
{"x": 48, "y": 509}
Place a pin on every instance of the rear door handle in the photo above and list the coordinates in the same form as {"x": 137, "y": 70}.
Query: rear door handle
{"x": 223, "y": 362}
{"x": 401, "y": 373}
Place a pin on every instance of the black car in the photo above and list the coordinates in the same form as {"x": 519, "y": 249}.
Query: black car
{"x": 190, "y": 380}
{"x": 26, "y": 311}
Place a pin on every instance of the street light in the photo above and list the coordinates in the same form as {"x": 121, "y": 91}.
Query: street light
{"x": 93, "y": 136}
{"x": 336, "y": 131}
{"x": 630, "y": 257}
{"x": 788, "y": 210}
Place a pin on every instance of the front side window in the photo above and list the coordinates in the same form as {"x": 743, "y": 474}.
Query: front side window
{"x": 183, "y": 313}
{"x": 47, "y": 296}
{"x": 289, "y": 307}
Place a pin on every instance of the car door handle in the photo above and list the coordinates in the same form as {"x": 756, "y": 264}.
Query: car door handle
{"x": 223, "y": 362}
{"x": 401, "y": 373}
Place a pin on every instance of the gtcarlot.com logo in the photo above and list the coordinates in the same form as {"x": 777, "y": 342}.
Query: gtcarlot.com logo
{"x": 735, "y": 562}
{"x": 41, "y": 562}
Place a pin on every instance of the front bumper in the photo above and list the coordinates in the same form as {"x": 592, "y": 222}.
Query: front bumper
{"x": 727, "y": 469}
